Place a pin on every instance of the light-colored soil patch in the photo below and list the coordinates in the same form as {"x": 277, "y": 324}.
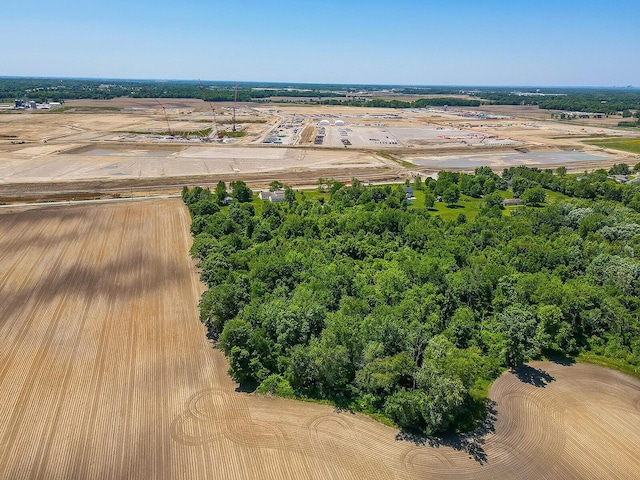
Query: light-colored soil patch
{"x": 120, "y": 139}
{"x": 144, "y": 162}
{"x": 106, "y": 373}
{"x": 307, "y": 135}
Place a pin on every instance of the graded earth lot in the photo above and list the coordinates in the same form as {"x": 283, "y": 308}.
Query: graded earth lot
{"x": 125, "y": 144}
{"x": 105, "y": 372}
{"x": 143, "y": 162}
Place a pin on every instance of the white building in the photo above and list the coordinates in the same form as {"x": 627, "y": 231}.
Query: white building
{"x": 273, "y": 197}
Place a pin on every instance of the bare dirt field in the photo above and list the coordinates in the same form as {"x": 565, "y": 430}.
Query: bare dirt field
{"x": 120, "y": 161}
{"x": 101, "y": 147}
{"x": 106, "y": 373}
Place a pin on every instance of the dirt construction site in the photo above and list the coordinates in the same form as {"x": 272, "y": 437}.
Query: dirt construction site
{"x": 123, "y": 147}
{"x": 106, "y": 373}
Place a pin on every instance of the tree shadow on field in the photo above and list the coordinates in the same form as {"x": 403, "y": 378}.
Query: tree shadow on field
{"x": 561, "y": 359}
{"x": 212, "y": 335}
{"x": 533, "y": 376}
{"x": 247, "y": 387}
{"x": 471, "y": 443}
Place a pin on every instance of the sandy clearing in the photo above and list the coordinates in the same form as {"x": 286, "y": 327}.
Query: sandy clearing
{"x": 105, "y": 372}
{"x": 106, "y": 162}
{"x": 100, "y": 144}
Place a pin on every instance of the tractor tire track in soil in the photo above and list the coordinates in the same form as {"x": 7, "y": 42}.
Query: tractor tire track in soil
{"x": 107, "y": 373}
{"x": 34, "y": 372}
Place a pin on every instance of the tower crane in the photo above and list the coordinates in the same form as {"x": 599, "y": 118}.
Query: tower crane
{"x": 164, "y": 110}
{"x": 213, "y": 112}
{"x": 235, "y": 101}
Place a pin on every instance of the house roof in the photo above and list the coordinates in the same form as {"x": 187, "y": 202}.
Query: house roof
{"x": 512, "y": 201}
{"x": 276, "y": 196}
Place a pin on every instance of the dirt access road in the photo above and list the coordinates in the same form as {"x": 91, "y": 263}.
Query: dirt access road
{"x": 106, "y": 373}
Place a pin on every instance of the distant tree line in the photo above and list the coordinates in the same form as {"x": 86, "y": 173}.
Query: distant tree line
{"x": 420, "y": 103}
{"x": 41, "y": 90}
{"x": 604, "y": 101}
{"x": 601, "y": 101}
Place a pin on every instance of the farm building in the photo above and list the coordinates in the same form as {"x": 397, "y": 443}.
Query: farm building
{"x": 273, "y": 197}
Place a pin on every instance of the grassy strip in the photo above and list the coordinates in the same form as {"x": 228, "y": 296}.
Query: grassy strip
{"x": 184, "y": 134}
{"x": 227, "y": 133}
{"x": 81, "y": 109}
{"x": 205, "y": 132}
{"x": 378, "y": 417}
{"x": 238, "y": 122}
{"x": 393, "y": 158}
{"x": 612, "y": 363}
{"x": 625, "y": 144}
{"x": 553, "y": 196}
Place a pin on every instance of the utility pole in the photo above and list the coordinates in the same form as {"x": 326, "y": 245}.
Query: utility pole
{"x": 235, "y": 101}
{"x": 213, "y": 112}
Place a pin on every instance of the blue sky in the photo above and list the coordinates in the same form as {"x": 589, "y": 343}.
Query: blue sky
{"x": 534, "y": 42}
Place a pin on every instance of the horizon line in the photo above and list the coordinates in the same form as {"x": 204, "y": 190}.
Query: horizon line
{"x": 195, "y": 80}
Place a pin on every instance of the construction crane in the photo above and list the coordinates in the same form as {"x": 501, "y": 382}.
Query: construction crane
{"x": 213, "y": 112}
{"x": 164, "y": 110}
{"x": 235, "y": 101}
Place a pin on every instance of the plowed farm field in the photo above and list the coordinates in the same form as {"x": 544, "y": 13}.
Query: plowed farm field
{"x": 106, "y": 373}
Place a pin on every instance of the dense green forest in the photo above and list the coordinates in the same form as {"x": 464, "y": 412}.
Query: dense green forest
{"x": 354, "y": 297}
{"x": 42, "y": 89}
{"x": 608, "y": 101}
{"x": 595, "y": 100}
{"x": 421, "y": 103}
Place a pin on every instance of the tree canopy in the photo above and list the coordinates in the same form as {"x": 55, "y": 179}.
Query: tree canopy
{"x": 359, "y": 299}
